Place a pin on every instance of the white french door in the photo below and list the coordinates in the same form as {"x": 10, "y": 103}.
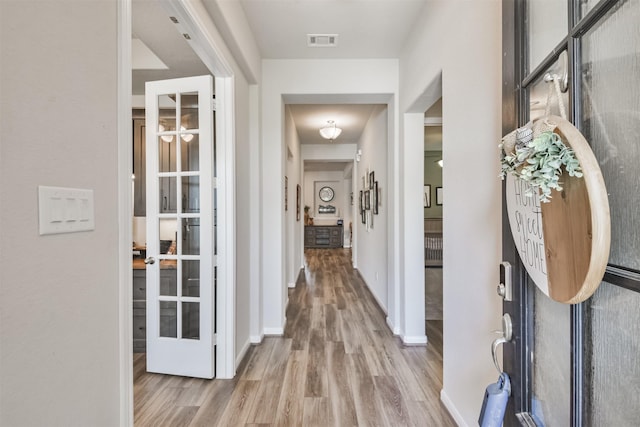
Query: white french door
{"x": 180, "y": 152}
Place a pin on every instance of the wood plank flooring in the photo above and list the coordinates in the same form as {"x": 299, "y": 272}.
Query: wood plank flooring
{"x": 337, "y": 364}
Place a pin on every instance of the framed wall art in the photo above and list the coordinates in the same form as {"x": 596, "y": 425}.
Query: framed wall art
{"x": 439, "y": 196}
{"x": 427, "y": 196}
{"x": 298, "y": 191}
{"x": 375, "y": 198}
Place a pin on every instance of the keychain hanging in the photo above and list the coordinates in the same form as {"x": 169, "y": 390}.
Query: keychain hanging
{"x": 495, "y": 401}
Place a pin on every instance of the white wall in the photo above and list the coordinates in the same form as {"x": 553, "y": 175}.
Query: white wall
{"x": 371, "y": 257}
{"x": 244, "y": 206}
{"x": 59, "y": 358}
{"x": 313, "y": 182}
{"x": 470, "y": 68}
{"x": 254, "y": 193}
{"x": 294, "y": 227}
{"x": 305, "y": 77}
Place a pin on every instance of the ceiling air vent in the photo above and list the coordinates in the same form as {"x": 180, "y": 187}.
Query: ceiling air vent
{"x": 322, "y": 40}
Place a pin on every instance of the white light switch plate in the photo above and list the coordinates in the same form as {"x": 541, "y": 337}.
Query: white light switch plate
{"x": 65, "y": 210}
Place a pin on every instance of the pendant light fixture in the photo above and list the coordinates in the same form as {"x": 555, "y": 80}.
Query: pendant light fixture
{"x": 165, "y": 138}
{"x": 186, "y": 137}
{"x": 330, "y": 131}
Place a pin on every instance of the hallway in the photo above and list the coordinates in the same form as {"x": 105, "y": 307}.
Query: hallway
{"x": 337, "y": 364}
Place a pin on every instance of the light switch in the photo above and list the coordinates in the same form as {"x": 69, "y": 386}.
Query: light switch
{"x": 65, "y": 210}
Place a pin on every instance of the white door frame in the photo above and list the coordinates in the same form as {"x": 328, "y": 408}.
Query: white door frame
{"x": 194, "y": 20}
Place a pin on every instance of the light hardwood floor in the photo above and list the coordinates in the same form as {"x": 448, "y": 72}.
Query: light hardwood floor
{"x": 337, "y": 364}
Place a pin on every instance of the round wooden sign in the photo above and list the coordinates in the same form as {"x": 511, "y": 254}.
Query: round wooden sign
{"x": 564, "y": 244}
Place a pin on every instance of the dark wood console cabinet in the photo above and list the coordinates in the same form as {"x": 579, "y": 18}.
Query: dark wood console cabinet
{"x": 323, "y": 236}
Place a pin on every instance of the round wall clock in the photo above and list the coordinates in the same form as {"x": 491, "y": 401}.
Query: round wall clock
{"x": 326, "y": 194}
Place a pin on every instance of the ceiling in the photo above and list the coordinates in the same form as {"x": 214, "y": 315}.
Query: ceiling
{"x": 151, "y": 24}
{"x": 365, "y": 28}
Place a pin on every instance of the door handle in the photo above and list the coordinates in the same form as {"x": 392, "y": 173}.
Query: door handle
{"x": 150, "y": 260}
{"x": 507, "y": 335}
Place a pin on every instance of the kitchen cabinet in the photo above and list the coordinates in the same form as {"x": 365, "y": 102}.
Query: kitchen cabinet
{"x": 139, "y": 166}
{"x": 139, "y": 311}
{"x": 168, "y": 195}
{"x": 168, "y": 286}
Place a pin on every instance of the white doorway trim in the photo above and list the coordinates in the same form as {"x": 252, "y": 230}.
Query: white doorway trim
{"x": 193, "y": 20}
{"x": 226, "y": 295}
{"x": 125, "y": 214}
{"x": 413, "y": 177}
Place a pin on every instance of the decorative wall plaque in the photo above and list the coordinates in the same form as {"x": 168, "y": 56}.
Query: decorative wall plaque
{"x": 564, "y": 244}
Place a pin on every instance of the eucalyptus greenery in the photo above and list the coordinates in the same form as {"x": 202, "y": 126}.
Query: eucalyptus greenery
{"x": 540, "y": 163}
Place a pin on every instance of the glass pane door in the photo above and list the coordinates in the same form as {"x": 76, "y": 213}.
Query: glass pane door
{"x": 610, "y": 56}
{"x": 577, "y": 364}
{"x": 547, "y": 26}
{"x": 180, "y": 297}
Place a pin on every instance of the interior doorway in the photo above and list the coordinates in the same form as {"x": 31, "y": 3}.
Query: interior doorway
{"x": 159, "y": 27}
{"x": 323, "y": 174}
{"x": 154, "y": 43}
{"x": 433, "y": 237}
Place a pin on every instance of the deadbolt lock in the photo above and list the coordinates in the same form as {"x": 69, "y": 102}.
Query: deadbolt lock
{"x": 505, "y": 288}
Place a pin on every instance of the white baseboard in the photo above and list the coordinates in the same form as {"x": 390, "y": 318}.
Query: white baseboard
{"x": 256, "y": 339}
{"x": 452, "y": 409}
{"x": 394, "y": 330}
{"x": 242, "y": 353}
{"x": 273, "y": 332}
{"x": 418, "y": 340}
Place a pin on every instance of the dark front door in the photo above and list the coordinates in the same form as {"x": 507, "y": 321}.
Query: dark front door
{"x": 576, "y": 365}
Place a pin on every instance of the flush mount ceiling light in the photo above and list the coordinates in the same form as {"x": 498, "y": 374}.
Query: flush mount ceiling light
{"x": 330, "y": 131}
